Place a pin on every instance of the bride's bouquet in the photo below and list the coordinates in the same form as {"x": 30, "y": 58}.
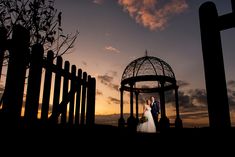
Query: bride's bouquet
{"x": 143, "y": 119}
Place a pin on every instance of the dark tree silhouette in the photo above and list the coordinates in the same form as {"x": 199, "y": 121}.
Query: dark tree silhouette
{"x": 41, "y": 19}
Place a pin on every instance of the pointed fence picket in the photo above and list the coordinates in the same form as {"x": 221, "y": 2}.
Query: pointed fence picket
{"x": 71, "y": 90}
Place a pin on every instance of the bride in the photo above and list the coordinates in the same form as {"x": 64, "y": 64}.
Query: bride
{"x": 147, "y": 125}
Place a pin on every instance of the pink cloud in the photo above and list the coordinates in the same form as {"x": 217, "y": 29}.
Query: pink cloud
{"x": 111, "y": 49}
{"x": 151, "y": 14}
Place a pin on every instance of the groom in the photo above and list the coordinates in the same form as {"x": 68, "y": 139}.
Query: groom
{"x": 155, "y": 110}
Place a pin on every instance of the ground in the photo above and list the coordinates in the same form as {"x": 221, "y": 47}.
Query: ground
{"x": 110, "y": 141}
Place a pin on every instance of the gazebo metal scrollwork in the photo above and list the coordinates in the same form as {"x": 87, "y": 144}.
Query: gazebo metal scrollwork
{"x": 160, "y": 74}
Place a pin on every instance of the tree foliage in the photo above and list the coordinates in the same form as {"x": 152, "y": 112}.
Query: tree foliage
{"x": 41, "y": 19}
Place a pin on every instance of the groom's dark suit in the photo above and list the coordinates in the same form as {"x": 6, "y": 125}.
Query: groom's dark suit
{"x": 155, "y": 111}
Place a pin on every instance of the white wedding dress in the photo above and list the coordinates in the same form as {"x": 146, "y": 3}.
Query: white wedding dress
{"x": 148, "y": 126}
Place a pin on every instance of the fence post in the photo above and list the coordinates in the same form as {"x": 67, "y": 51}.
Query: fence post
{"x": 34, "y": 82}
{"x": 65, "y": 92}
{"x": 90, "y": 114}
{"x": 3, "y": 40}
{"x": 72, "y": 89}
{"x": 15, "y": 81}
{"x": 93, "y": 98}
{"x": 78, "y": 97}
{"x": 217, "y": 96}
{"x": 84, "y": 88}
{"x": 57, "y": 86}
{"x": 47, "y": 87}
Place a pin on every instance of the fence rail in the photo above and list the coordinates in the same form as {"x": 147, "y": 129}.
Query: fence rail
{"x": 71, "y": 90}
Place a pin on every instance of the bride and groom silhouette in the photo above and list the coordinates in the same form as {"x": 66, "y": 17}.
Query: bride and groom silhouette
{"x": 149, "y": 120}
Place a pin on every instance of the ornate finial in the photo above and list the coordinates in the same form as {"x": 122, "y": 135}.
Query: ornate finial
{"x": 146, "y": 53}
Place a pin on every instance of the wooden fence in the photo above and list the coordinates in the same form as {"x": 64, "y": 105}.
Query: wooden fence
{"x": 72, "y": 90}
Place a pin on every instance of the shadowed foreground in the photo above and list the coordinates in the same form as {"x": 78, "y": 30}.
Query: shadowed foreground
{"x": 111, "y": 141}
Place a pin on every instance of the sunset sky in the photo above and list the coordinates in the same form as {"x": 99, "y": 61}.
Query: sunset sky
{"x": 115, "y": 32}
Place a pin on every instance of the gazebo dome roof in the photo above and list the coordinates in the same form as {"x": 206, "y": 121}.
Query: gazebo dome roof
{"x": 148, "y": 74}
{"x": 148, "y": 66}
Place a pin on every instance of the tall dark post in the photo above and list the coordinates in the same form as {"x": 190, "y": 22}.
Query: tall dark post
{"x": 3, "y": 46}
{"x": 217, "y": 97}
{"x": 233, "y": 5}
{"x": 78, "y": 97}
{"x": 72, "y": 89}
{"x": 34, "y": 82}
{"x": 15, "y": 82}
{"x": 162, "y": 101}
{"x": 164, "y": 121}
{"x": 47, "y": 87}
{"x": 137, "y": 106}
{"x": 90, "y": 101}
{"x": 121, "y": 121}
{"x": 65, "y": 93}
{"x": 56, "y": 100}
{"x": 131, "y": 101}
{"x": 84, "y": 95}
{"x": 178, "y": 121}
{"x": 131, "y": 119}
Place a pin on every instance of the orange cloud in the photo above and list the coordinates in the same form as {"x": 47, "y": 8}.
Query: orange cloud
{"x": 151, "y": 14}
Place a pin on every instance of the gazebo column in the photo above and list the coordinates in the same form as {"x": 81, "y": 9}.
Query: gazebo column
{"x": 121, "y": 121}
{"x": 131, "y": 120}
{"x": 164, "y": 121}
{"x": 178, "y": 121}
{"x": 137, "y": 106}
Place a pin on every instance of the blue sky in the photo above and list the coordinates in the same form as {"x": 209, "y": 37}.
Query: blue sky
{"x": 113, "y": 33}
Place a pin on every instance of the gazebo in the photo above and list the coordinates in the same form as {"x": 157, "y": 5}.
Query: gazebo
{"x": 159, "y": 77}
